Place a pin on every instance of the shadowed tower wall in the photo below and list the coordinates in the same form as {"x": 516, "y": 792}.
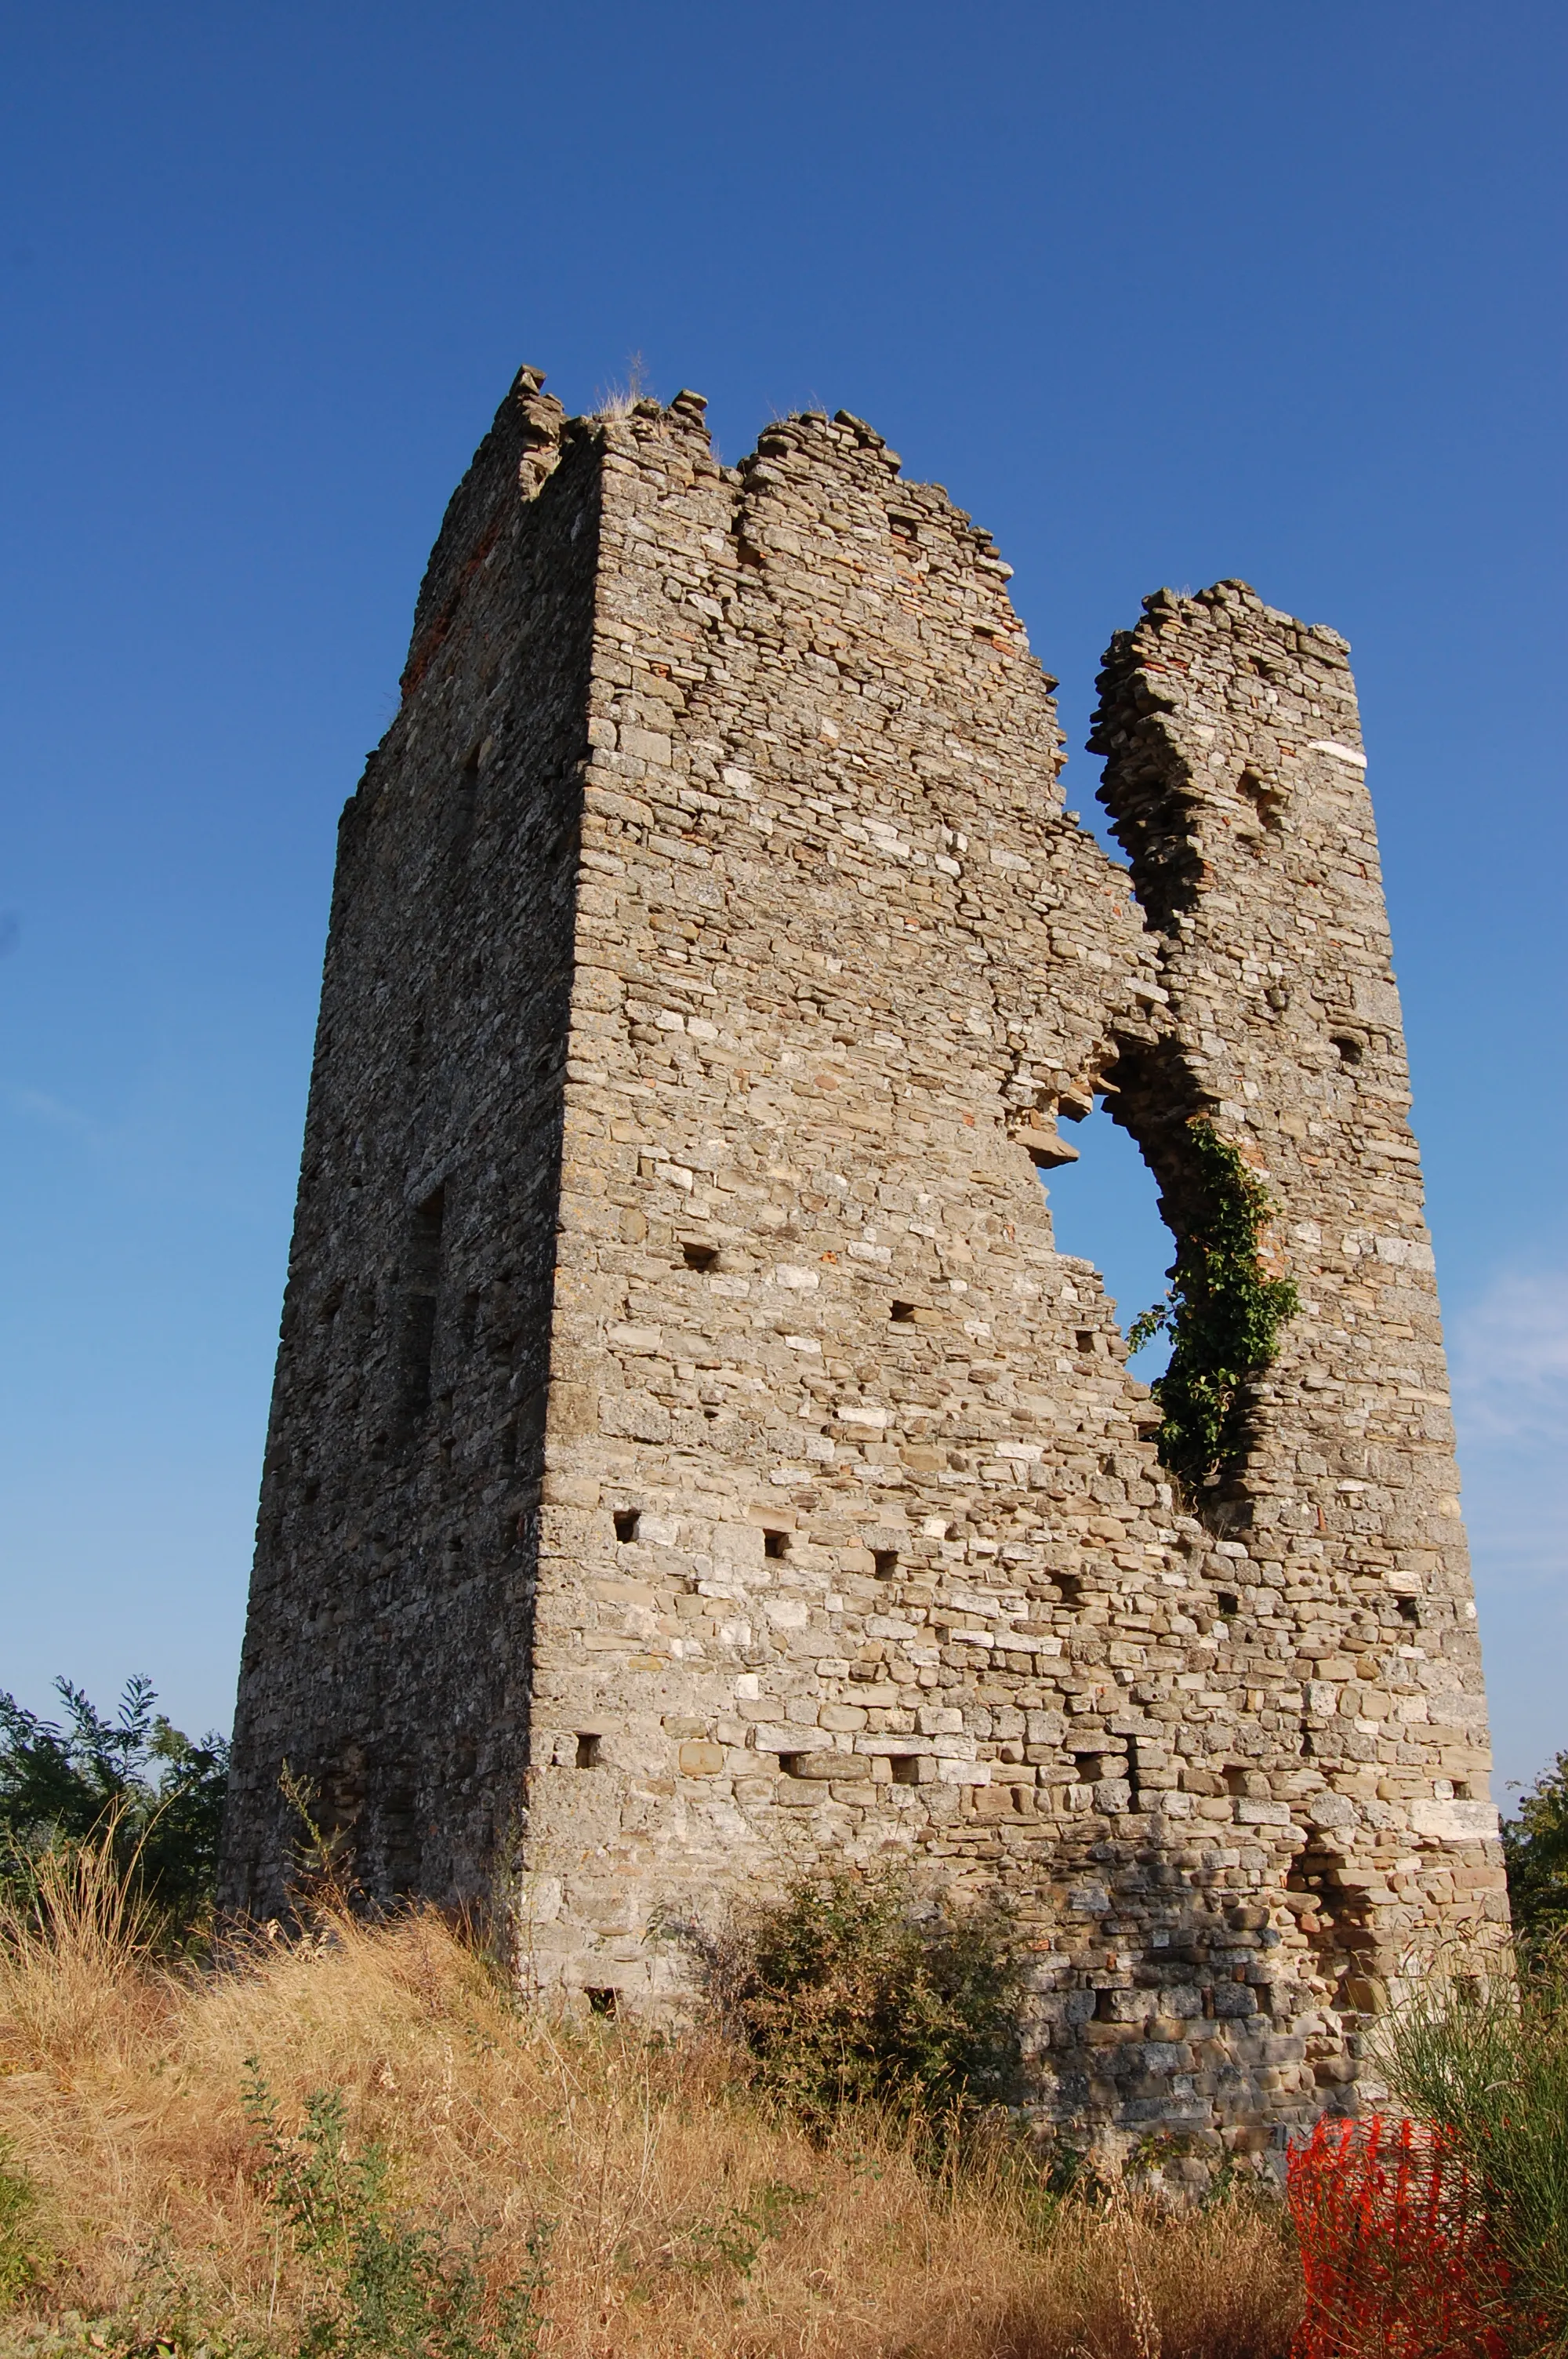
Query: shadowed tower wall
{"x": 691, "y": 1459}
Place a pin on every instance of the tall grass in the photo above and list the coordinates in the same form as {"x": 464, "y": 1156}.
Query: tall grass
{"x": 76, "y": 1943}
{"x": 501, "y": 2183}
{"x": 1488, "y": 2061}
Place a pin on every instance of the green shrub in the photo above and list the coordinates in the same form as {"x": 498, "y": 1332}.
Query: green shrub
{"x": 388, "y": 2291}
{"x": 1488, "y": 2061}
{"x": 22, "y": 2259}
{"x": 732, "y": 2244}
{"x": 849, "y": 1992}
{"x": 1535, "y": 1853}
{"x": 1222, "y": 1313}
{"x": 156, "y": 1794}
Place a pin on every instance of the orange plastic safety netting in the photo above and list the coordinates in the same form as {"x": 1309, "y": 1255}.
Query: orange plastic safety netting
{"x": 1398, "y": 2261}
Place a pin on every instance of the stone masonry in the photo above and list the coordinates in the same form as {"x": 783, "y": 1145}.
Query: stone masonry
{"x": 691, "y": 1460}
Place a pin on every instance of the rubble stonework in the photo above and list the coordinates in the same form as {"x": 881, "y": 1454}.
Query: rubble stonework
{"x": 691, "y": 1460}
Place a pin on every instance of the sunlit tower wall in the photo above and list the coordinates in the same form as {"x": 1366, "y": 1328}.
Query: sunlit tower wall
{"x": 691, "y": 1460}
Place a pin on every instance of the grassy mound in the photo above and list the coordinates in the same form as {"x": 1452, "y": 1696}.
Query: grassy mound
{"x": 356, "y": 2144}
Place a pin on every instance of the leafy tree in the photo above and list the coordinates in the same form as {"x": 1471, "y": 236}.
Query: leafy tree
{"x": 1535, "y": 1851}
{"x": 155, "y": 1792}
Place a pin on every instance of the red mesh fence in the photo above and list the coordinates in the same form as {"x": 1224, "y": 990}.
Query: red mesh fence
{"x": 1394, "y": 2246}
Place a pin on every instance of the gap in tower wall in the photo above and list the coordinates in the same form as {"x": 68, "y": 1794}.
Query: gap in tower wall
{"x": 1105, "y": 1208}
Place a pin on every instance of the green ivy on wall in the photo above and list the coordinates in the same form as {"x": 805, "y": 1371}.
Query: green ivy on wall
{"x": 1222, "y": 1313}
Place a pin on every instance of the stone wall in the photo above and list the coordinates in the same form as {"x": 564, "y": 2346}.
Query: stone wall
{"x": 772, "y": 1486}
{"x": 386, "y": 1659}
{"x": 1236, "y": 782}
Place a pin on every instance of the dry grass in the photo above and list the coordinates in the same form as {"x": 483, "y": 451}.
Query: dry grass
{"x": 617, "y": 400}
{"x": 678, "y": 2216}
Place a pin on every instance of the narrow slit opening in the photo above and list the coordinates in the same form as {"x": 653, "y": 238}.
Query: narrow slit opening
{"x": 626, "y": 1522}
{"x": 420, "y": 1301}
{"x": 588, "y": 1752}
{"x": 1266, "y": 799}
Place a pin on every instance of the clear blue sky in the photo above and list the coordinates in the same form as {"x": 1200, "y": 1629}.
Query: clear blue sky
{"x": 1161, "y": 294}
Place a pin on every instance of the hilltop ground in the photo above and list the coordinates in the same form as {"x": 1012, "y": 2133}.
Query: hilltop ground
{"x": 357, "y": 2143}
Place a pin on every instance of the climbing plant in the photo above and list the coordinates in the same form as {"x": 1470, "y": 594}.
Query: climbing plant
{"x": 1222, "y": 1312}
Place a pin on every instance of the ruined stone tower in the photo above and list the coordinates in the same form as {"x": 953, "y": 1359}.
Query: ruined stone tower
{"x": 691, "y": 1459}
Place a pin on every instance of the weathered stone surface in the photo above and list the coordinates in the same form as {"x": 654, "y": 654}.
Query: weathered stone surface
{"x": 691, "y": 1459}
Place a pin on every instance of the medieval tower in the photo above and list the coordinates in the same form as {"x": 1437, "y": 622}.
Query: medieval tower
{"x": 691, "y": 1459}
